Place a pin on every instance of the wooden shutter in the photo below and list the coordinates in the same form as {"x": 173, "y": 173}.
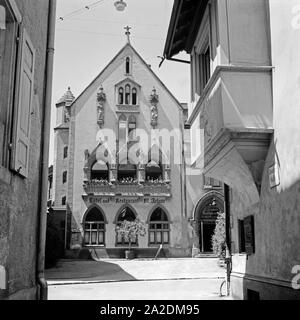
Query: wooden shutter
{"x": 23, "y": 107}
{"x": 249, "y": 235}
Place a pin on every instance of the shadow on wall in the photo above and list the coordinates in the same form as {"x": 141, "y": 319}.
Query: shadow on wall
{"x": 276, "y": 237}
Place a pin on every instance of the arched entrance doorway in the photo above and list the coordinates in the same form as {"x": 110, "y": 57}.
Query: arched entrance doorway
{"x": 207, "y": 213}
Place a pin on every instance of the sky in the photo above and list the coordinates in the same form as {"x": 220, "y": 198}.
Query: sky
{"x": 86, "y": 40}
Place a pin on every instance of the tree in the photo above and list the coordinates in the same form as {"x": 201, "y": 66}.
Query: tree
{"x": 219, "y": 237}
{"x": 130, "y": 230}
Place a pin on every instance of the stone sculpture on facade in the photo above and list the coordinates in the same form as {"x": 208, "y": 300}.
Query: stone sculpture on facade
{"x": 154, "y": 110}
{"x": 101, "y": 99}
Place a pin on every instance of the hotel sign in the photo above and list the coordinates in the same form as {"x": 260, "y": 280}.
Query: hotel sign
{"x": 129, "y": 200}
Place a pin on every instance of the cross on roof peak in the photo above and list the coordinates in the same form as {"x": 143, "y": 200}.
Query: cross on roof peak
{"x": 127, "y": 33}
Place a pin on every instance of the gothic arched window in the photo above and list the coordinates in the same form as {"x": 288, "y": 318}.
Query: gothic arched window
{"x": 94, "y": 228}
{"x": 159, "y": 227}
{"x": 127, "y": 65}
{"x": 125, "y": 214}
{"x": 121, "y": 96}
{"x": 100, "y": 171}
{"x": 154, "y": 171}
{"x": 127, "y": 94}
{"x": 134, "y": 96}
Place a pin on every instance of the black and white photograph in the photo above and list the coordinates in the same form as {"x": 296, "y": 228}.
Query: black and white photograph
{"x": 149, "y": 153}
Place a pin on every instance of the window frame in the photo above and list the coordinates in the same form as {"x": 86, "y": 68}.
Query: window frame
{"x": 13, "y": 58}
{"x": 98, "y": 230}
{"x": 202, "y": 44}
{"x": 153, "y": 228}
{"x": 18, "y": 135}
{"x": 130, "y": 98}
{"x": 64, "y": 177}
{"x": 128, "y": 66}
{"x": 65, "y": 152}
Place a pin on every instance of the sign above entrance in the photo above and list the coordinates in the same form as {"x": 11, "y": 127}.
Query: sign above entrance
{"x": 111, "y": 200}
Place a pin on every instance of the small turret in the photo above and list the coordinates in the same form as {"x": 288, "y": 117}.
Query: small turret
{"x": 63, "y": 110}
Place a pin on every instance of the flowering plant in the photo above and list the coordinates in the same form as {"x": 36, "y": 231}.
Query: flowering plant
{"x": 130, "y": 230}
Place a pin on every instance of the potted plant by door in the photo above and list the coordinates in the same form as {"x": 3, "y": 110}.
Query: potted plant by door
{"x": 130, "y": 230}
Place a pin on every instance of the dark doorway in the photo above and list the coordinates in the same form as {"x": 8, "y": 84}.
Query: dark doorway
{"x": 208, "y": 211}
{"x": 206, "y": 233}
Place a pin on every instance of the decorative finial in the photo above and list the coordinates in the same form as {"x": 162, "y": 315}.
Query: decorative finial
{"x": 127, "y": 33}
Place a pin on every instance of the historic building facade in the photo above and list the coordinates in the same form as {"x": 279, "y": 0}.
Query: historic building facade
{"x": 112, "y": 162}
{"x": 26, "y": 59}
{"x": 243, "y": 111}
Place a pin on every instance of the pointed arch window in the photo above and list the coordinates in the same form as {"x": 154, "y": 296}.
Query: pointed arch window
{"x": 94, "y": 228}
{"x": 125, "y": 214}
{"x": 121, "y": 96}
{"x": 159, "y": 227}
{"x": 100, "y": 171}
{"x": 127, "y": 66}
{"x": 134, "y": 96}
{"x": 127, "y": 173}
{"x": 154, "y": 171}
{"x": 127, "y": 94}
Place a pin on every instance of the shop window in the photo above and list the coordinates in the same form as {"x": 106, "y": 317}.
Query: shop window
{"x": 159, "y": 228}
{"x": 128, "y": 215}
{"x": 100, "y": 171}
{"x": 94, "y": 228}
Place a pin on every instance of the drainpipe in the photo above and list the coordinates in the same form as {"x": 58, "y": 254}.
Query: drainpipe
{"x": 43, "y": 289}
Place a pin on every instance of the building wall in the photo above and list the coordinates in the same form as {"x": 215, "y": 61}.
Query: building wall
{"x": 19, "y": 197}
{"x": 83, "y": 133}
{"x": 60, "y": 165}
{"x": 277, "y": 221}
{"x": 245, "y": 95}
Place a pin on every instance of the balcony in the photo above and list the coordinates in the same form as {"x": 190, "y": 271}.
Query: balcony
{"x": 236, "y": 118}
{"x": 127, "y": 189}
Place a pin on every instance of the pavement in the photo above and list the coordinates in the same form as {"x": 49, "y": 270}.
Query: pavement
{"x": 190, "y": 289}
{"x": 117, "y": 270}
{"x": 138, "y": 279}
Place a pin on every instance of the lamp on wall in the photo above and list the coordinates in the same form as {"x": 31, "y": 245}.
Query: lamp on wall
{"x": 2, "y": 18}
{"x": 120, "y": 5}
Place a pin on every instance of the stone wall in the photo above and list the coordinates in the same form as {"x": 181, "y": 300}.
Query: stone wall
{"x": 19, "y": 197}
